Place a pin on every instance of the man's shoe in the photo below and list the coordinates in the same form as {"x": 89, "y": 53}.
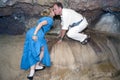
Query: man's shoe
{"x": 43, "y": 67}
{"x": 86, "y": 40}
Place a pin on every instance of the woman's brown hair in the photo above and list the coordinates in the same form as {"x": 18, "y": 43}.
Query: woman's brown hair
{"x": 45, "y": 12}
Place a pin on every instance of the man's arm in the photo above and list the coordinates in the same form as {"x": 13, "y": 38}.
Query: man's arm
{"x": 63, "y": 32}
{"x": 61, "y": 35}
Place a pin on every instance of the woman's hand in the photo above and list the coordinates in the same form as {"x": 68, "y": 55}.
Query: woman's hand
{"x": 34, "y": 38}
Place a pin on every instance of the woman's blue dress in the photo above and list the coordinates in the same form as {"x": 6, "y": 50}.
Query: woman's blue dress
{"x": 31, "y": 50}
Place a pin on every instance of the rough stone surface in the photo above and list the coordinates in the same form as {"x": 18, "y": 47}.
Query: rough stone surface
{"x": 98, "y": 60}
{"x": 91, "y": 9}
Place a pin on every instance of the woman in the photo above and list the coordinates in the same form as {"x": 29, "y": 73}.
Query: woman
{"x": 35, "y": 47}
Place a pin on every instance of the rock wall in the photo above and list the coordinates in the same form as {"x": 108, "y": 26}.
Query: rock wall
{"x": 26, "y": 12}
{"x": 98, "y": 60}
{"x": 109, "y": 22}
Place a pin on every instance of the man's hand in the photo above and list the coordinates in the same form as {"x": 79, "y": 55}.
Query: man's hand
{"x": 61, "y": 36}
{"x": 59, "y": 41}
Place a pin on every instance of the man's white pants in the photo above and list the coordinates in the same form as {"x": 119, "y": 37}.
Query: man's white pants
{"x": 74, "y": 32}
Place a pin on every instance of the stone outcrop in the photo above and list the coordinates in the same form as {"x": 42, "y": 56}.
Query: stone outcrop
{"x": 28, "y": 9}
{"x": 109, "y": 22}
{"x": 98, "y": 60}
{"x": 72, "y": 54}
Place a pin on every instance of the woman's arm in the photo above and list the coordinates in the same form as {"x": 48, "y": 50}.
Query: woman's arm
{"x": 38, "y": 28}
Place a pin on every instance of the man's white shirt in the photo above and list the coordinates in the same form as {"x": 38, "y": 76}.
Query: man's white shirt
{"x": 69, "y": 17}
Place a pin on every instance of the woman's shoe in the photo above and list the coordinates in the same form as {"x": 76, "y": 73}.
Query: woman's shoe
{"x": 43, "y": 67}
{"x": 30, "y": 77}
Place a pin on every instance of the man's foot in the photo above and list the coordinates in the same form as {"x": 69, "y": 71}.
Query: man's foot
{"x": 40, "y": 68}
{"x": 86, "y": 40}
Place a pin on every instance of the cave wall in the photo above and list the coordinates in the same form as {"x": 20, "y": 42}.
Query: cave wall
{"x": 23, "y": 14}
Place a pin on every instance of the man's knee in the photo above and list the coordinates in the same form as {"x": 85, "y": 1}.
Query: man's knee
{"x": 70, "y": 34}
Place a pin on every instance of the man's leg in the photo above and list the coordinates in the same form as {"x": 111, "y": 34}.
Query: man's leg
{"x": 75, "y": 34}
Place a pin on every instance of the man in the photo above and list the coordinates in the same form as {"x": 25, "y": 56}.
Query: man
{"x": 72, "y": 22}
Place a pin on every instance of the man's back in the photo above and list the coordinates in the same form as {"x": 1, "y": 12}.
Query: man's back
{"x": 72, "y": 15}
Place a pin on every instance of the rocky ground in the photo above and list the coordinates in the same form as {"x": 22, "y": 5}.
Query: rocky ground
{"x": 10, "y": 55}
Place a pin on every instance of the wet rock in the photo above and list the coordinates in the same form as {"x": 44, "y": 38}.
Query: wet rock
{"x": 109, "y": 22}
{"x": 29, "y": 9}
{"x": 12, "y": 25}
{"x": 6, "y": 11}
{"x": 95, "y": 61}
{"x": 92, "y": 10}
{"x": 90, "y": 4}
{"x": 78, "y": 56}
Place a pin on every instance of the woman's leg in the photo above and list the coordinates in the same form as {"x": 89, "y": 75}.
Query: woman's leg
{"x": 32, "y": 71}
{"x": 41, "y": 53}
{"x": 41, "y": 56}
{"x": 37, "y": 66}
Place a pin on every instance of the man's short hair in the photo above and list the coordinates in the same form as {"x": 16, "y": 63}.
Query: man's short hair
{"x": 59, "y": 4}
